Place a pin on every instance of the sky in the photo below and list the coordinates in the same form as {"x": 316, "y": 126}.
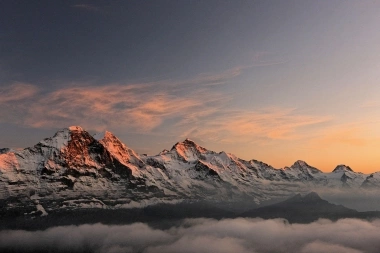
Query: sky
{"x": 276, "y": 81}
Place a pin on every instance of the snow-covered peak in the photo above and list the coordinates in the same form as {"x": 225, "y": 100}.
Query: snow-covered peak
{"x": 342, "y": 168}
{"x": 121, "y": 152}
{"x": 76, "y": 128}
{"x": 189, "y": 144}
{"x": 303, "y": 166}
{"x": 300, "y": 163}
{"x": 188, "y": 150}
{"x": 110, "y": 141}
{"x": 62, "y": 137}
{"x": 59, "y": 141}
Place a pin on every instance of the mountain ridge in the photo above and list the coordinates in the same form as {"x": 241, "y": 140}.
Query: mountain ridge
{"x": 74, "y": 169}
{"x": 186, "y": 143}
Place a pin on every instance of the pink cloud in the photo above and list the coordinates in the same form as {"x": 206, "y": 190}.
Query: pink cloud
{"x": 255, "y": 126}
{"x": 193, "y": 107}
{"x": 17, "y": 91}
{"x": 105, "y": 106}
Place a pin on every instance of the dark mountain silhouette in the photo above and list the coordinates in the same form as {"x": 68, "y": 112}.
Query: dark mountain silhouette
{"x": 302, "y": 209}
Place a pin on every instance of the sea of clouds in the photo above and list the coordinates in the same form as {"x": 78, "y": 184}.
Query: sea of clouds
{"x": 202, "y": 236}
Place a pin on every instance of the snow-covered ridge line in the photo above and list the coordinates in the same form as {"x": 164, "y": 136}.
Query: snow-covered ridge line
{"x": 61, "y": 138}
{"x": 76, "y": 167}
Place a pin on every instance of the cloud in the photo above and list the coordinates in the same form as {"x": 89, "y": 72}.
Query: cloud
{"x": 138, "y": 107}
{"x": 107, "y": 106}
{"x": 135, "y": 107}
{"x": 203, "y": 236}
{"x": 142, "y": 107}
{"x": 186, "y": 108}
{"x": 86, "y": 7}
{"x": 16, "y": 92}
{"x": 216, "y": 78}
{"x": 14, "y": 100}
{"x": 320, "y": 247}
{"x": 253, "y": 126}
{"x": 204, "y": 244}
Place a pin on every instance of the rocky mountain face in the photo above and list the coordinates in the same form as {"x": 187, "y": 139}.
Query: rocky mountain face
{"x": 74, "y": 169}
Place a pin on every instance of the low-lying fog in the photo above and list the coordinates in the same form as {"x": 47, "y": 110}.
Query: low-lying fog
{"x": 201, "y": 236}
{"x": 360, "y": 200}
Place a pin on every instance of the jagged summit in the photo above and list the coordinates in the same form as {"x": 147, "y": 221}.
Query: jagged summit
{"x": 110, "y": 137}
{"x": 188, "y": 150}
{"x": 304, "y": 167}
{"x": 188, "y": 143}
{"x": 342, "y": 168}
{"x": 75, "y": 128}
{"x": 300, "y": 163}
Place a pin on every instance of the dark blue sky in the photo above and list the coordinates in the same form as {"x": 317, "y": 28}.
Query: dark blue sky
{"x": 128, "y": 40}
{"x": 117, "y": 40}
{"x": 271, "y": 80}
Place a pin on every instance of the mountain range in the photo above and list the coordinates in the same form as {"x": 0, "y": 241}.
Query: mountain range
{"x": 76, "y": 170}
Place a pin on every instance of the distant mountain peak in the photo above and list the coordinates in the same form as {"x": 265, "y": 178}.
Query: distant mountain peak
{"x": 310, "y": 197}
{"x": 188, "y": 150}
{"x": 300, "y": 163}
{"x": 302, "y": 209}
{"x": 342, "y": 168}
{"x": 188, "y": 144}
{"x": 303, "y": 166}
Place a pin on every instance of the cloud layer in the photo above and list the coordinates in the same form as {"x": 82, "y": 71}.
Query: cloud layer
{"x": 203, "y": 236}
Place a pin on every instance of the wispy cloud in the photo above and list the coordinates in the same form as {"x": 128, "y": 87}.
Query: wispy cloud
{"x": 186, "y": 108}
{"x": 86, "y": 7}
{"x": 252, "y": 126}
{"x": 140, "y": 107}
{"x": 110, "y": 106}
{"x": 17, "y": 92}
{"x": 266, "y": 58}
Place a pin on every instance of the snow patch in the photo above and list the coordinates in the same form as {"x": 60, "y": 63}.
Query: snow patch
{"x": 41, "y": 209}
